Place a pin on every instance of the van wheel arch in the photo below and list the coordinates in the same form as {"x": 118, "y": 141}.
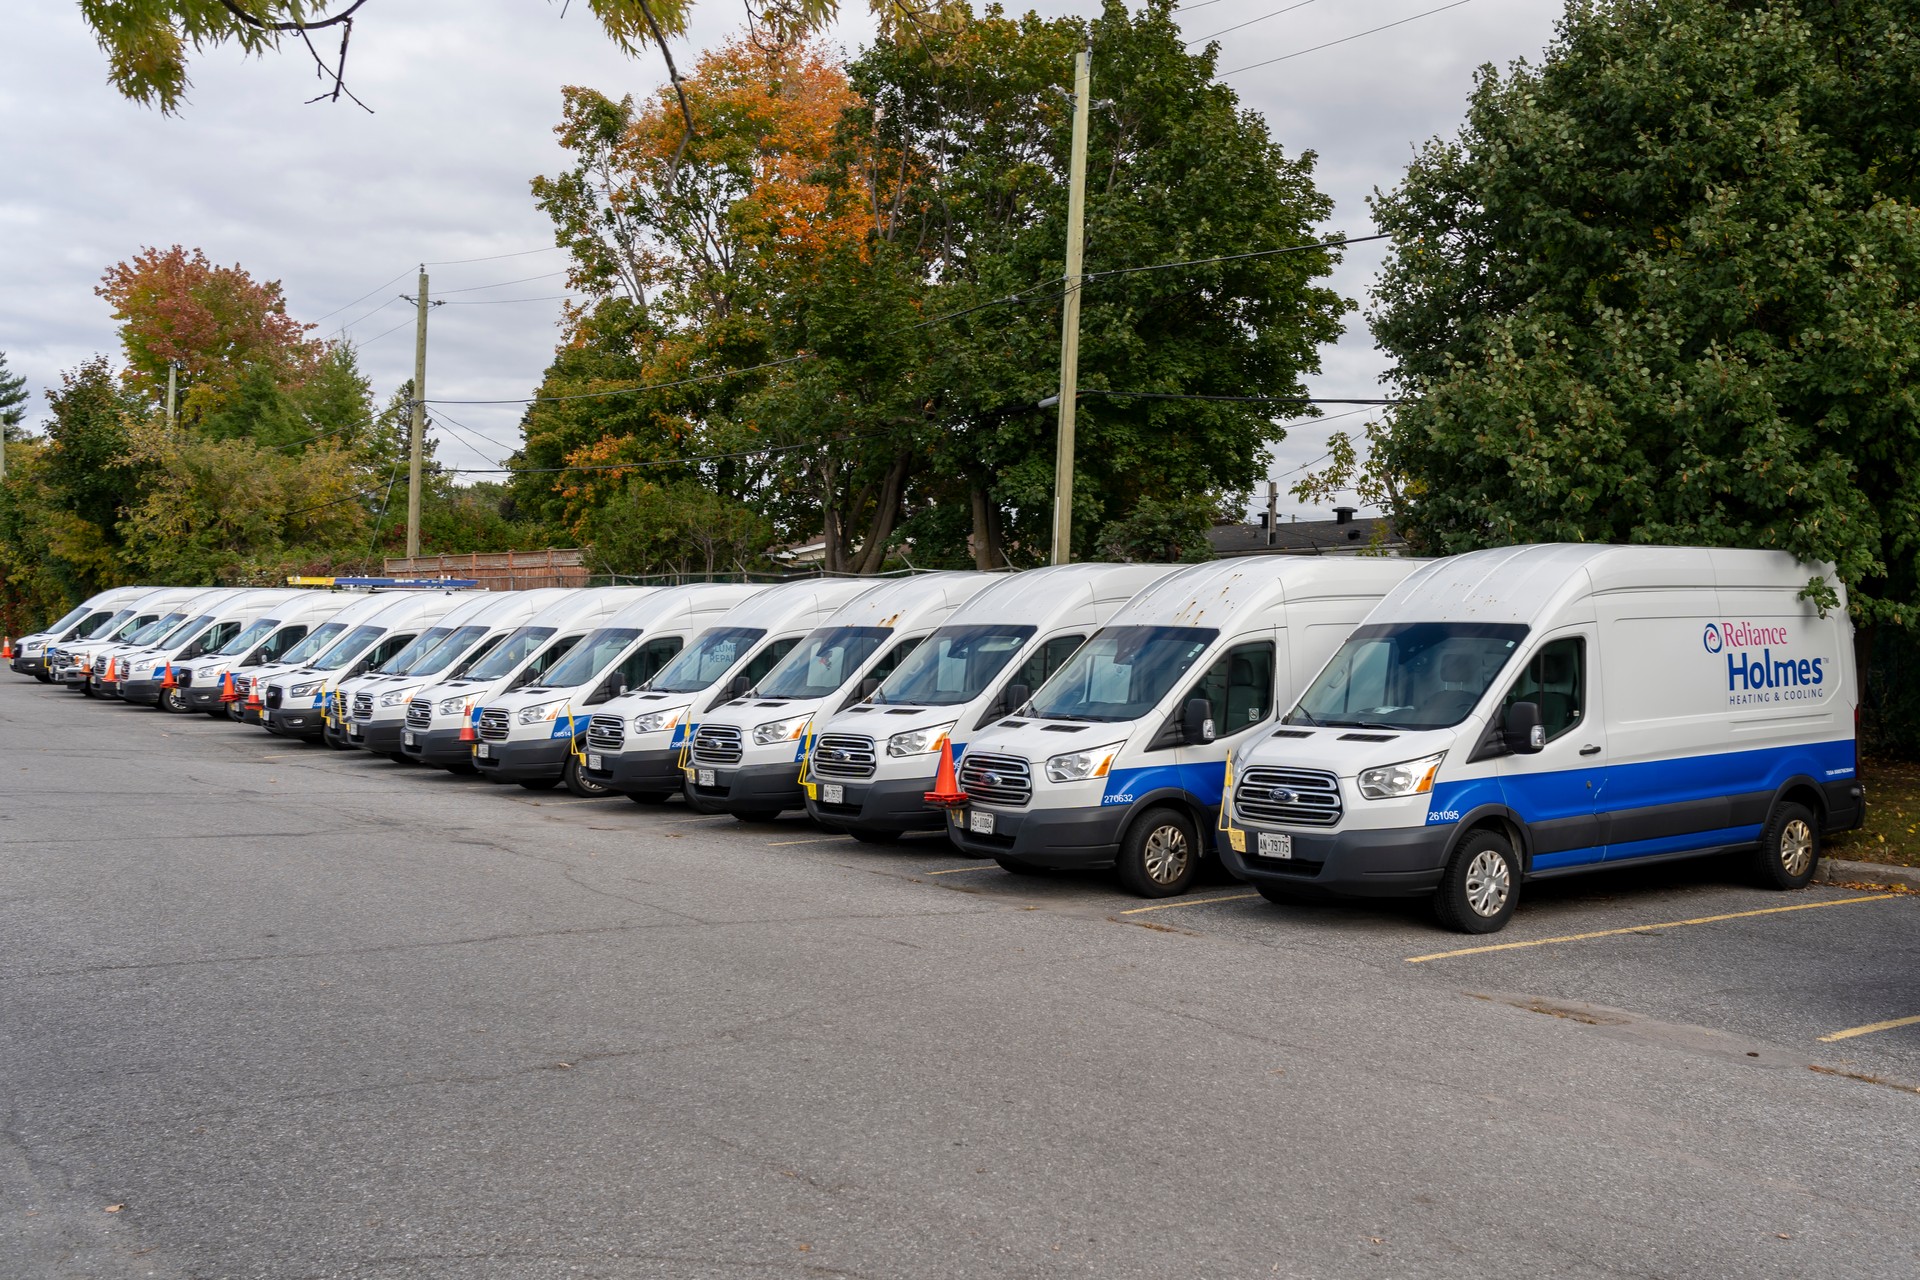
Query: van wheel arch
{"x": 1170, "y": 798}
{"x": 1503, "y": 822}
{"x": 1803, "y": 791}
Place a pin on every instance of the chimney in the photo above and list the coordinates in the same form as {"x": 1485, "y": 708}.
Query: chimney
{"x": 1344, "y": 515}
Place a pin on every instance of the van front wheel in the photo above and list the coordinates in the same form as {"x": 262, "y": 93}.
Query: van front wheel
{"x": 1789, "y": 848}
{"x": 580, "y": 784}
{"x": 1160, "y": 855}
{"x": 1481, "y": 886}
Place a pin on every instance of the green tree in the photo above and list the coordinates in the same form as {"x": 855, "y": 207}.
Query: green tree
{"x": 679, "y": 527}
{"x": 1665, "y": 287}
{"x": 13, "y": 400}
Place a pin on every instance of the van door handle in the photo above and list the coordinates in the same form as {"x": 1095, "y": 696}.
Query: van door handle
{"x": 1589, "y": 750}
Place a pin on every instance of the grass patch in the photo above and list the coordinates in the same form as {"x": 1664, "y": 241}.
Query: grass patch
{"x": 1892, "y": 833}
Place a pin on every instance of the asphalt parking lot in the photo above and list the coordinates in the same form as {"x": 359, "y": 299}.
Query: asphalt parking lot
{"x": 272, "y": 1010}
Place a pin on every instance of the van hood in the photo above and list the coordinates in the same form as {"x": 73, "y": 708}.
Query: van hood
{"x": 1347, "y": 751}
{"x": 1037, "y": 741}
{"x": 746, "y": 713}
{"x": 881, "y": 721}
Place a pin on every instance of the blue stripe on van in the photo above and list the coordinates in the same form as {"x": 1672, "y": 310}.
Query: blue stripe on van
{"x": 1202, "y": 780}
{"x": 1562, "y": 795}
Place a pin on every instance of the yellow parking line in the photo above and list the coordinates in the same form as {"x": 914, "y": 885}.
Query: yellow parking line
{"x": 1642, "y": 928}
{"x": 954, "y": 871}
{"x": 1870, "y": 1028}
{"x": 781, "y": 844}
{"x": 1188, "y": 902}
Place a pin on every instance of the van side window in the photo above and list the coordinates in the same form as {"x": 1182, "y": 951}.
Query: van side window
{"x": 1033, "y": 673}
{"x": 888, "y": 661}
{"x": 379, "y": 654}
{"x": 765, "y": 660}
{"x": 1556, "y": 679}
{"x": 542, "y": 662}
{"x": 644, "y": 663}
{"x": 1239, "y": 687}
{"x": 471, "y": 660}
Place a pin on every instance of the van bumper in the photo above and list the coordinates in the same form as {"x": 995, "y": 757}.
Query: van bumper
{"x": 30, "y": 666}
{"x": 891, "y": 804}
{"x": 1058, "y": 839}
{"x": 146, "y": 692}
{"x": 1392, "y": 862}
{"x": 524, "y": 761}
{"x": 749, "y": 788}
{"x": 201, "y": 698}
{"x": 654, "y": 772}
{"x": 381, "y": 738}
{"x": 295, "y": 722}
{"x": 1846, "y": 805}
{"x": 441, "y": 748}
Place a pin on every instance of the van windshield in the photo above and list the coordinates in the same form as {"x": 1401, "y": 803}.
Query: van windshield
{"x": 314, "y": 643}
{"x": 69, "y": 620}
{"x": 248, "y": 638}
{"x": 1122, "y": 673}
{"x": 155, "y": 629}
{"x": 401, "y": 663}
{"x": 106, "y": 627}
{"x": 513, "y": 651}
{"x": 357, "y": 642}
{"x": 590, "y": 657}
{"x": 955, "y": 665}
{"x": 1408, "y": 675}
{"x": 822, "y": 662}
{"x": 706, "y": 659}
{"x": 443, "y": 654}
{"x": 186, "y": 631}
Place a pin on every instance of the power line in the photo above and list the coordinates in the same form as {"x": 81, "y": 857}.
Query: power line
{"x": 460, "y": 262}
{"x": 1252, "y": 66}
{"x": 495, "y": 302}
{"x": 765, "y": 451}
{"x": 1236, "y": 257}
{"x": 363, "y": 297}
{"x": 501, "y": 284}
{"x": 376, "y": 311}
{"x": 1299, "y": 4}
{"x": 367, "y": 342}
{"x": 1179, "y": 395}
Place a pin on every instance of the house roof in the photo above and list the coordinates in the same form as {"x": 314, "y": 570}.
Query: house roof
{"x": 1305, "y": 537}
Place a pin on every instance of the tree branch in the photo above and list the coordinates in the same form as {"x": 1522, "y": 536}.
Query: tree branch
{"x": 233, "y": 7}
{"x": 673, "y": 74}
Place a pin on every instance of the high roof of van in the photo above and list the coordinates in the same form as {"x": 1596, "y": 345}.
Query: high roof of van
{"x": 908, "y": 602}
{"x": 585, "y": 608}
{"x": 1527, "y": 584}
{"x": 1222, "y": 593}
{"x": 665, "y": 604}
{"x": 408, "y": 608}
{"x": 1036, "y": 596}
{"x": 776, "y": 605}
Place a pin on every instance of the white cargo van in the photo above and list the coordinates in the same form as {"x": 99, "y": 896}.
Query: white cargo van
{"x": 443, "y": 719}
{"x": 634, "y": 743}
{"x": 300, "y": 702}
{"x": 127, "y": 661}
{"x": 1118, "y": 760}
{"x": 746, "y": 757}
{"x": 1526, "y": 712}
{"x": 530, "y": 736}
{"x": 71, "y": 662}
{"x": 376, "y": 703}
{"x": 872, "y": 765}
{"x": 290, "y": 635}
{"x": 155, "y": 615}
{"x": 154, "y": 676}
{"x": 30, "y": 652}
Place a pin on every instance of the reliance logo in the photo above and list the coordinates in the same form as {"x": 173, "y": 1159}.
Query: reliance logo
{"x": 1741, "y": 635}
{"x": 1712, "y": 639}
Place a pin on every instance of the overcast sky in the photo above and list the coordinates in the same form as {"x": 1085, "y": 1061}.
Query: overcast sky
{"x": 336, "y": 203}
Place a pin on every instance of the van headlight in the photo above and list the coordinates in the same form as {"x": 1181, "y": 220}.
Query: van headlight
{"x": 917, "y": 742}
{"x": 1078, "y": 765}
{"x": 452, "y": 706}
{"x": 33, "y": 646}
{"x": 780, "y": 730}
{"x": 541, "y": 711}
{"x": 1409, "y": 778}
{"x": 306, "y": 690}
{"x": 397, "y": 696}
{"x": 658, "y": 721}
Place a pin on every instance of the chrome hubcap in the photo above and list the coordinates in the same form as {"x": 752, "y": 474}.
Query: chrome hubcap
{"x": 1488, "y": 883}
{"x": 1167, "y": 854}
{"x": 1796, "y": 847}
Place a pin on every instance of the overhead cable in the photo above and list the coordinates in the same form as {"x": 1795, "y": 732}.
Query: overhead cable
{"x": 1299, "y": 4}
{"x": 1251, "y": 66}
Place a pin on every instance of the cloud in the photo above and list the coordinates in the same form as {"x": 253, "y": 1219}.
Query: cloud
{"x": 333, "y": 201}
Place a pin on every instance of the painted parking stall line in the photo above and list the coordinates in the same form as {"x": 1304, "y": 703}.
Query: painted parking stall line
{"x": 1189, "y": 902}
{"x": 1889, "y": 1025}
{"x": 1644, "y": 928}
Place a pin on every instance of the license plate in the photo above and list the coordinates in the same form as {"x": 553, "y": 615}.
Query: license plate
{"x": 481, "y": 751}
{"x": 594, "y": 761}
{"x": 353, "y": 731}
{"x": 981, "y": 824}
{"x": 704, "y": 778}
{"x": 1276, "y": 844}
{"x": 408, "y": 740}
{"x": 833, "y": 793}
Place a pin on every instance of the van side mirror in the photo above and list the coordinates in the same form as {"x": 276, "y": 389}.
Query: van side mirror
{"x": 1522, "y": 729}
{"x": 738, "y": 687}
{"x": 1196, "y": 722}
{"x": 869, "y": 686}
{"x": 1018, "y": 696}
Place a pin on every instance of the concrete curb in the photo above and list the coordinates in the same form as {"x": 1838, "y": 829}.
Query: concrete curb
{"x": 1840, "y": 871}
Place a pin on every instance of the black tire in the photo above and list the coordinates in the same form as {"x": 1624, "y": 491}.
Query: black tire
{"x": 1160, "y": 855}
{"x": 175, "y": 701}
{"x": 539, "y": 784}
{"x": 876, "y": 837}
{"x": 1481, "y": 885}
{"x": 1018, "y": 866}
{"x": 579, "y": 783}
{"x": 757, "y": 815}
{"x": 1789, "y": 850}
{"x": 649, "y": 797}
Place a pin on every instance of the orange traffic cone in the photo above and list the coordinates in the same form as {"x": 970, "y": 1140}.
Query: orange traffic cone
{"x": 467, "y": 726}
{"x": 6, "y": 648}
{"x": 167, "y": 681}
{"x": 110, "y": 678}
{"x": 227, "y": 692}
{"x": 253, "y": 697}
{"x": 946, "y": 793}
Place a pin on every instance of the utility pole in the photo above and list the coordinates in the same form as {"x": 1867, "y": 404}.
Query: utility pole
{"x": 1070, "y": 309}
{"x": 173, "y": 389}
{"x": 419, "y": 416}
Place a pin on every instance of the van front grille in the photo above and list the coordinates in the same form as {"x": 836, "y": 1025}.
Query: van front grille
{"x": 606, "y": 733}
{"x": 991, "y": 779}
{"x": 275, "y": 696}
{"x": 363, "y": 706}
{"x": 493, "y": 725}
{"x": 843, "y": 755}
{"x": 420, "y": 714}
{"x": 717, "y": 744}
{"x": 1288, "y": 797}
